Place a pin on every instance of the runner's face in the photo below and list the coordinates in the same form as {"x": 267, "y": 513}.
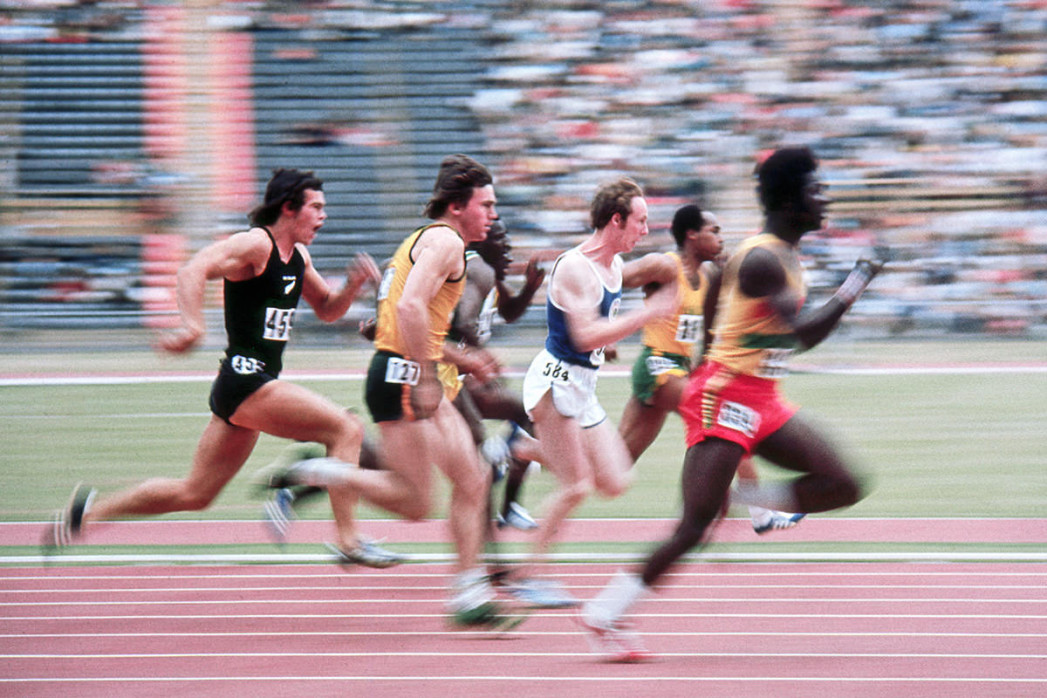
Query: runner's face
{"x": 815, "y": 203}
{"x": 635, "y": 226}
{"x": 475, "y": 218}
{"x": 310, "y": 217}
{"x": 710, "y": 244}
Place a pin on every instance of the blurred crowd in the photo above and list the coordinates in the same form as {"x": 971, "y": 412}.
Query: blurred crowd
{"x": 929, "y": 117}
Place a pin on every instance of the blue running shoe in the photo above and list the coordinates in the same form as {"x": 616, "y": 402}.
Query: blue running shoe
{"x": 777, "y": 521}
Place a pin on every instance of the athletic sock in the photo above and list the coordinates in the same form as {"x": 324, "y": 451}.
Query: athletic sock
{"x": 777, "y": 496}
{"x": 321, "y": 472}
{"x": 615, "y": 599}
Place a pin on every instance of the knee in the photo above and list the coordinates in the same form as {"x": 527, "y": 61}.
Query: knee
{"x": 351, "y": 428}
{"x": 849, "y": 490}
{"x": 415, "y": 510}
{"x": 195, "y": 499}
{"x": 577, "y": 492}
{"x": 612, "y": 487}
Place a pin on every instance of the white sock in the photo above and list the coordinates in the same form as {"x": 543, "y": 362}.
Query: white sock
{"x": 777, "y": 496}
{"x": 615, "y": 599}
{"x": 322, "y": 472}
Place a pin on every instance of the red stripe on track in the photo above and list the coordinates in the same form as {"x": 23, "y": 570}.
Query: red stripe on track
{"x": 909, "y": 629}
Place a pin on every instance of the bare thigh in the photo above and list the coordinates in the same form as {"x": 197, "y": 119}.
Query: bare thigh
{"x": 609, "y": 459}
{"x": 220, "y": 453}
{"x": 290, "y": 411}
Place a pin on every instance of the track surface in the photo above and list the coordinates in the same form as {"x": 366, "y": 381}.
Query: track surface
{"x": 718, "y": 629}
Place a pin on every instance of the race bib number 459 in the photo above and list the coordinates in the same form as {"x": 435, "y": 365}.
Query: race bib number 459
{"x": 278, "y": 324}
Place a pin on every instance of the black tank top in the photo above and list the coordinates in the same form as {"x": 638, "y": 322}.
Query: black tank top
{"x": 259, "y": 313}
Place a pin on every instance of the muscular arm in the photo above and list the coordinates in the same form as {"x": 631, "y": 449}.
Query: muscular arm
{"x": 714, "y": 274}
{"x": 238, "y": 257}
{"x": 438, "y": 256}
{"x": 654, "y": 268}
{"x": 479, "y": 281}
{"x": 577, "y": 290}
{"x": 512, "y": 307}
{"x": 331, "y": 305}
{"x": 761, "y": 275}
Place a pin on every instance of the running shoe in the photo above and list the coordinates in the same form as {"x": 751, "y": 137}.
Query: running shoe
{"x": 473, "y": 604}
{"x": 517, "y": 517}
{"x": 67, "y": 524}
{"x": 542, "y": 593}
{"x": 279, "y": 513}
{"x": 280, "y": 473}
{"x": 614, "y": 642}
{"x": 777, "y": 521}
{"x": 366, "y": 553}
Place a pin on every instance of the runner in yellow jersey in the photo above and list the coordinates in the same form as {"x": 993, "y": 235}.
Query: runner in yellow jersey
{"x": 419, "y": 426}
{"x": 732, "y": 406}
{"x": 668, "y": 355}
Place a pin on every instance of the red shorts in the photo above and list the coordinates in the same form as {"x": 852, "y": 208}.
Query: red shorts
{"x": 738, "y": 408}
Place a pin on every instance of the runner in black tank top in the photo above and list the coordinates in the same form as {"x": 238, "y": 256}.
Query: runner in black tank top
{"x": 247, "y": 398}
{"x": 259, "y": 313}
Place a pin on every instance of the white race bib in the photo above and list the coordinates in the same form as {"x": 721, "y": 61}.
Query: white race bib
{"x": 399, "y": 370}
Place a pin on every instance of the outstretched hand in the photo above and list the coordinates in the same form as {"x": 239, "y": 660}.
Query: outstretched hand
{"x": 533, "y": 276}
{"x": 865, "y": 270}
{"x": 179, "y": 341}
{"x": 363, "y": 270}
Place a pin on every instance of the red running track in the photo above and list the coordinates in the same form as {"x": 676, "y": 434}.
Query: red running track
{"x": 718, "y": 629}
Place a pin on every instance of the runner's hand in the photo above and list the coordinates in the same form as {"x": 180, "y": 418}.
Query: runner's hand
{"x": 865, "y": 270}
{"x": 426, "y": 396}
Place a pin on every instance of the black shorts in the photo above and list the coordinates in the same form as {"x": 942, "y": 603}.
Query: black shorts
{"x": 230, "y": 389}
{"x": 387, "y": 391}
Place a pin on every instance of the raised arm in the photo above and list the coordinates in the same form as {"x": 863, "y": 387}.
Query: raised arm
{"x": 654, "y": 268}
{"x": 331, "y": 305}
{"x": 512, "y": 307}
{"x": 761, "y": 275}
{"x": 576, "y": 289}
{"x": 479, "y": 282}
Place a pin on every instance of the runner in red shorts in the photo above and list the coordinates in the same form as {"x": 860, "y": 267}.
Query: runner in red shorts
{"x": 732, "y": 406}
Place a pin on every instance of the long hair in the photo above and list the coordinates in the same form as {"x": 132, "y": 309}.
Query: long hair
{"x": 287, "y": 186}
{"x": 459, "y": 176}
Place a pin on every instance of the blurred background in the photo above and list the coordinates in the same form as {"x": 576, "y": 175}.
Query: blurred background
{"x": 133, "y": 132}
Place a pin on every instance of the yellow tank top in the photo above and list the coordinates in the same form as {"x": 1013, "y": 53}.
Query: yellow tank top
{"x": 677, "y": 334}
{"x": 748, "y": 336}
{"x": 387, "y": 336}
